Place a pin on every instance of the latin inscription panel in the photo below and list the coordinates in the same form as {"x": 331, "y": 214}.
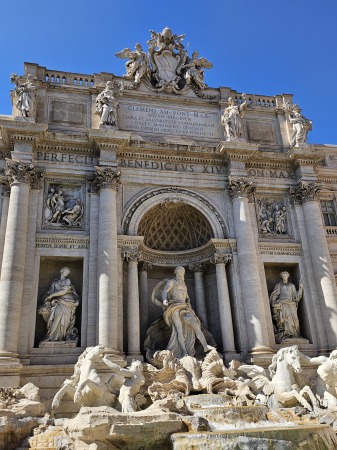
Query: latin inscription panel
{"x": 174, "y": 121}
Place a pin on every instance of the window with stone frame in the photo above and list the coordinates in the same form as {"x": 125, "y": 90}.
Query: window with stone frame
{"x": 329, "y": 213}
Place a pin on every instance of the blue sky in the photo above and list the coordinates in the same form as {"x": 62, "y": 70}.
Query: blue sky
{"x": 257, "y": 46}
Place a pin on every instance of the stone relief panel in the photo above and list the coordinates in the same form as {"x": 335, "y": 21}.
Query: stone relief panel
{"x": 64, "y": 113}
{"x": 260, "y": 131}
{"x": 273, "y": 217}
{"x": 63, "y": 205}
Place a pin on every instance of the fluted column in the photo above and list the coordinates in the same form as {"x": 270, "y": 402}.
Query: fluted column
{"x": 306, "y": 193}
{"x": 198, "y": 270}
{"x": 20, "y": 176}
{"x": 4, "y": 215}
{"x": 133, "y": 304}
{"x": 239, "y": 190}
{"x": 226, "y": 322}
{"x": 144, "y": 297}
{"x": 106, "y": 182}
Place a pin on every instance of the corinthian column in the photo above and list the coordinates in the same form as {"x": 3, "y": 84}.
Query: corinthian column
{"x": 198, "y": 270}
{"x": 106, "y": 182}
{"x": 20, "y": 176}
{"x": 226, "y": 322}
{"x": 240, "y": 189}
{"x": 4, "y": 215}
{"x": 133, "y": 305}
{"x": 307, "y": 194}
{"x": 144, "y": 297}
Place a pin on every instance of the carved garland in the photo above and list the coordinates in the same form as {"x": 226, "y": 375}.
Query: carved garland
{"x": 175, "y": 190}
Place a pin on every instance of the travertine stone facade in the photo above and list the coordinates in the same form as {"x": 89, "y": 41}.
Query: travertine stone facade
{"x": 159, "y": 182}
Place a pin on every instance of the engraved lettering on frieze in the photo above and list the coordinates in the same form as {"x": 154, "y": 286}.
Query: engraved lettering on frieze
{"x": 171, "y": 166}
{"x": 63, "y": 205}
{"x": 272, "y": 217}
{"x": 71, "y": 158}
{"x": 169, "y": 121}
{"x": 271, "y": 173}
{"x": 54, "y": 243}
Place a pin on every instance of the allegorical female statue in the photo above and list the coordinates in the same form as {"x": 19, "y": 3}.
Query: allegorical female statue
{"x": 232, "y": 118}
{"x": 25, "y": 95}
{"x": 59, "y": 307}
{"x": 284, "y": 301}
{"x": 106, "y": 106}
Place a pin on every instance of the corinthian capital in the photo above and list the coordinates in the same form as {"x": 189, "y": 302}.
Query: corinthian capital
{"x": 104, "y": 178}
{"x": 240, "y": 187}
{"x": 20, "y": 172}
{"x": 199, "y": 267}
{"x": 132, "y": 256}
{"x": 221, "y": 258}
{"x": 145, "y": 266}
{"x": 305, "y": 192}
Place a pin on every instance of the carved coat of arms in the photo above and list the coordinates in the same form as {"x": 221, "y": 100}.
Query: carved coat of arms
{"x": 167, "y": 66}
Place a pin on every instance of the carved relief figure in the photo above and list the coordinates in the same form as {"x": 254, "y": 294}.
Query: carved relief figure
{"x": 284, "y": 302}
{"x": 272, "y": 217}
{"x": 300, "y": 125}
{"x": 59, "y": 307}
{"x": 25, "y": 95}
{"x": 63, "y": 208}
{"x": 232, "y": 118}
{"x": 106, "y": 106}
{"x": 179, "y": 315}
{"x": 137, "y": 66}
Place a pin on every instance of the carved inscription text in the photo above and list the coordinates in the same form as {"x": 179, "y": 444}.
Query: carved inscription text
{"x": 169, "y": 121}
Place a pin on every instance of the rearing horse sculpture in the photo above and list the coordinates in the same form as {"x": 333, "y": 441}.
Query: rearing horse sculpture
{"x": 278, "y": 383}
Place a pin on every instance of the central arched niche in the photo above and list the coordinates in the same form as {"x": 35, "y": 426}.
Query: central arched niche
{"x": 174, "y": 226}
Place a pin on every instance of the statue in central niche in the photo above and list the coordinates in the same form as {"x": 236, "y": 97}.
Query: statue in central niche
{"x": 171, "y": 294}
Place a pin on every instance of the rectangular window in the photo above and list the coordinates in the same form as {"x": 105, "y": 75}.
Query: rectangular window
{"x": 329, "y": 213}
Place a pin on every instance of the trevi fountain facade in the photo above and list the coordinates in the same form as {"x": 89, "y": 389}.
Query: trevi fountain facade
{"x": 168, "y": 254}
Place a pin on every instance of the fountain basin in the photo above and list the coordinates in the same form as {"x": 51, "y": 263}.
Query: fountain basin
{"x": 307, "y": 437}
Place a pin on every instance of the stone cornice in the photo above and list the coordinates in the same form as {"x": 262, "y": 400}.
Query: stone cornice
{"x": 189, "y": 257}
{"x": 306, "y": 155}
{"x": 237, "y": 150}
{"x": 16, "y": 130}
{"x": 173, "y": 156}
{"x": 280, "y": 248}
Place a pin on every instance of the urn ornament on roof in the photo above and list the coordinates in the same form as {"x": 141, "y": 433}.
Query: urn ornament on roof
{"x": 166, "y": 66}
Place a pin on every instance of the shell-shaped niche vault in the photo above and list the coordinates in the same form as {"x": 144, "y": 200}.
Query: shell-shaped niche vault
{"x": 174, "y": 226}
